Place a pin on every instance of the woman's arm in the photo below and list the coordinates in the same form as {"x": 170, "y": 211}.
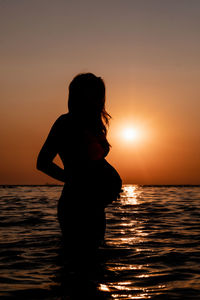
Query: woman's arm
{"x": 47, "y": 154}
{"x": 49, "y": 167}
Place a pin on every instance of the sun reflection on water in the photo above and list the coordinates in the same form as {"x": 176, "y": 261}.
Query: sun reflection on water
{"x": 130, "y": 195}
{"x": 141, "y": 296}
{"x": 104, "y": 288}
{"x": 136, "y": 292}
{"x": 129, "y": 235}
{"x": 131, "y": 231}
{"x": 126, "y": 268}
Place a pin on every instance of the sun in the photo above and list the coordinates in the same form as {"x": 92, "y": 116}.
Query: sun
{"x": 130, "y": 134}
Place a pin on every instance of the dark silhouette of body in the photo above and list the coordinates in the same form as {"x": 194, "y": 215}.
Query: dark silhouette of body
{"x": 91, "y": 183}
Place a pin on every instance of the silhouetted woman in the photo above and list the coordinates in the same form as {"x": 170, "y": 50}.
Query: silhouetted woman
{"x": 91, "y": 183}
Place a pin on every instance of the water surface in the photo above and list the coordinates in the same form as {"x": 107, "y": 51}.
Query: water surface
{"x": 151, "y": 251}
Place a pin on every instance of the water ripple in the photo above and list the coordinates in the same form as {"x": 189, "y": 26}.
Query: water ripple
{"x": 152, "y": 248}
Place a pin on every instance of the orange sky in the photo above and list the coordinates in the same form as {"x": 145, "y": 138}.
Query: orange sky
{"x": 148, "y": 54}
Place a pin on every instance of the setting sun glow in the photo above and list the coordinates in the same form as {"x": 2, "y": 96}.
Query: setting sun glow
{"x": 130, "y": 134}
{"x": 147, "y": 54}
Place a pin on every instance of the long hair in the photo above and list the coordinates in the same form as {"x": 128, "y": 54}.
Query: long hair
{"x": 87, "y": 102}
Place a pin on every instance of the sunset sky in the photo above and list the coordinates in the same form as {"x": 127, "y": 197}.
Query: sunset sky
{"x": 148, "y": 54}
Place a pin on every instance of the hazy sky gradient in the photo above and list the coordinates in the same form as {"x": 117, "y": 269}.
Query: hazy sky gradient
{"x": 148, "y": 54}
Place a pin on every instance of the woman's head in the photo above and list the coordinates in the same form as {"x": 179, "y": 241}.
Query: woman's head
{"x": 87, "y": 100}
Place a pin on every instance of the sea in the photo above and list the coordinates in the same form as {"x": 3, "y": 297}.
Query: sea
{"x": 151, "y": 248}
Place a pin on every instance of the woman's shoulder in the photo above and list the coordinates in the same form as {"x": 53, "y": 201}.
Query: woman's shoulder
{"x": 62, "y": 120}
{"x": 60, "y": 124}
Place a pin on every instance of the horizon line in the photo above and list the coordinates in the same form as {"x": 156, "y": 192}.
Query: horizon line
{"x": 137, "y": 184}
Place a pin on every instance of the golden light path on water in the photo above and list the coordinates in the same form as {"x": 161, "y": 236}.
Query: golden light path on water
{"x": 126, "y": 289}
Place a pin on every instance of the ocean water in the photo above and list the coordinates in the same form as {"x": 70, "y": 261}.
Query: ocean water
{"x": 151, "y": 250}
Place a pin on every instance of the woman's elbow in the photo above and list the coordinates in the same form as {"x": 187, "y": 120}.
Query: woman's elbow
{"x": 40, "y": 164}
{"x": 44, "y": 160}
